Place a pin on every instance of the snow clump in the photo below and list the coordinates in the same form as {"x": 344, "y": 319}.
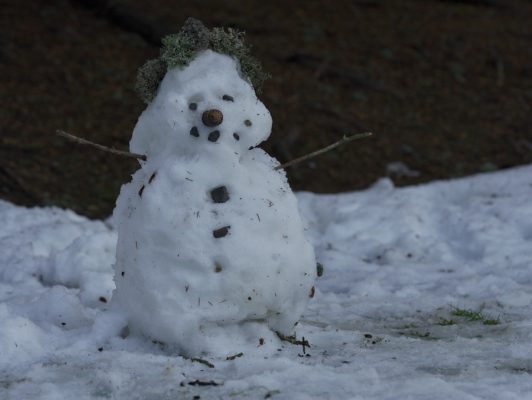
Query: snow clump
{"x": 211, "y": 249}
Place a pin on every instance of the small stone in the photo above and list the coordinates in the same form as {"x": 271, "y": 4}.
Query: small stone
{"x": 152, "y": 177}
{"x": 123, "y": 273}
{"x": 141, "y": 190}
{"x": 236, "y": 136}
{"x": 217, "y": 268}
{"x": 212, "y": 117}
{"x": 193, "y": 106}
{"x": 247, "y": 122}
{"x": 194, "y": 132}
{"x": 214, "y": 136}
{"x": 319, "y": 269}
{"x": 221, "y": 232}
{"x": 103, "y": 299}
{"x": 312, "y": 292}
{"x": 220, "y": 194}
{"x": 226, "y": 97}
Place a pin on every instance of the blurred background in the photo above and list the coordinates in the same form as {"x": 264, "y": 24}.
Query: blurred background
{"x": 446, "y": 86}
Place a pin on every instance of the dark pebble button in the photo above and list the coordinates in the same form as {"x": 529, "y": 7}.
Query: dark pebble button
{"x": 214, "y": 136}
{"x": 247, "y": 122}
{"x": 194, "y": 132}
{"x": 236, "y": 136}
{"x": 220, "y": 233}
{"x": 319, "y": 269}
{"x": 220, "y": 194}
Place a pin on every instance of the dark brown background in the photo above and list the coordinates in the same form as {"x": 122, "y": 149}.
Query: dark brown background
{"x": 445, "y": 85}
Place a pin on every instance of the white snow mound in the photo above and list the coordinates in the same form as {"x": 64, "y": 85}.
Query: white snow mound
{"x": 381, "y": 325}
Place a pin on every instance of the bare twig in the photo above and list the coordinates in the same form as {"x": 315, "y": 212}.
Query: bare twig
{"x": 99, "y": 146}
{"x": 293, "y": 340}
{"x": 344, "y": 140}
{"x": 202, "y": 361}
{"x": 197, "y": 382}
{"x": 229, "y": 358}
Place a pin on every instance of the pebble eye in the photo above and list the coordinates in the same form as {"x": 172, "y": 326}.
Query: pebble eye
{"x": 247, "y": 122}
{"x": 193, "y": 106}
{"x": 226, "y": 97}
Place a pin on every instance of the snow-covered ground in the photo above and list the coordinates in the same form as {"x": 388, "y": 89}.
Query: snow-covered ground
{"x": 399, "y": 263}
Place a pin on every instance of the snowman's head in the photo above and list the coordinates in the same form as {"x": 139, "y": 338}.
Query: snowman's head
{"x": 206, "y": 103}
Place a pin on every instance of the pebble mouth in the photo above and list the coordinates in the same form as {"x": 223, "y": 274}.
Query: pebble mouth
{"x": 214, "y": 136}
{"x": 194, "y": 131}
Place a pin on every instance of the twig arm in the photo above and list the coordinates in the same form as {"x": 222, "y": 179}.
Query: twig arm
{"x": 99, "y": 146}
{"x": 344, "y": 140}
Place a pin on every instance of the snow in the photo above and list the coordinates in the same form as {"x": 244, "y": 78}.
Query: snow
{"x": 211, "y": 248}
{"x": 397, "y": 262}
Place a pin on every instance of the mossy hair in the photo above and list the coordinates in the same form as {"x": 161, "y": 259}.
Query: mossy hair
{"x": 180, "y": 49}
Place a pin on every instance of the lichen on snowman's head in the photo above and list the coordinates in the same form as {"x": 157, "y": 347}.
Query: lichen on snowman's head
{"x": 180, "y": 49}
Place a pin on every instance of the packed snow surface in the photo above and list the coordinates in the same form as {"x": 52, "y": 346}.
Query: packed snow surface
{"x": 211, "y": 247}
{"x": 398, "y": 264}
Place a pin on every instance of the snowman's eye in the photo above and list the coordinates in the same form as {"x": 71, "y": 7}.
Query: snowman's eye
{"x": 226, "y": 97}
{"x": 193, "y": 106}
{"x": 247, "y": 122}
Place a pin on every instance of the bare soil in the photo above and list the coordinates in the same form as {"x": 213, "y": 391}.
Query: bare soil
{"x": 446, "y": 86}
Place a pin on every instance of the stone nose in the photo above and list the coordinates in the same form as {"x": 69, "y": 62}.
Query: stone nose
{"x": 212, "y": 117}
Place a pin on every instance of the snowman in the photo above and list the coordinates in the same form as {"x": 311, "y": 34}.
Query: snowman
{"x": 211, "y": 250}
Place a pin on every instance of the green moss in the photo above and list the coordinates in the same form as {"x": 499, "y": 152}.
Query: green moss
{"x": 446, "y": 322}
{"x": 475, "y": 316}
{"x": 491, "y": 321}
{"x": 181, "y": 48}
{"x": 149, "y": 76}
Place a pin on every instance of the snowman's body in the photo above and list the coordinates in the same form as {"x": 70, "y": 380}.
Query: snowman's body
{"x": 210, "y": 237}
